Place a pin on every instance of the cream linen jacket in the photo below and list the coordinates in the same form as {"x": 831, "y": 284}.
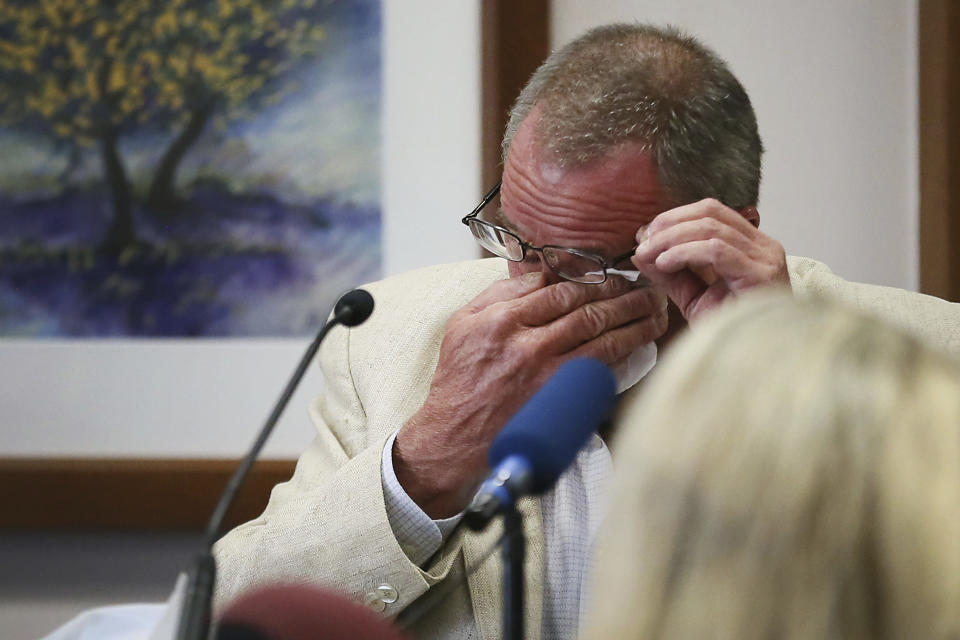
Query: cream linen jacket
{"x": 328, "y": 524}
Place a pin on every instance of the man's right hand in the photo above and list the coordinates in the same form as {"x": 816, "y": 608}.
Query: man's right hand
{"x": 497, "y": 351}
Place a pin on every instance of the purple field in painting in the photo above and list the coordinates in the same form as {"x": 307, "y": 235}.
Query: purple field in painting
{"x": 225, "y": 265}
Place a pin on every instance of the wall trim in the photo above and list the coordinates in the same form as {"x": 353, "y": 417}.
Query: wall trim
{"x": 128, "y": 494}
{"x": 939, "y": 93}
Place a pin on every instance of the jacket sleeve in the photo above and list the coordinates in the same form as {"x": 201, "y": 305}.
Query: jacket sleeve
{"x": 932, "y": 320}
{"x": 328, "y": 524}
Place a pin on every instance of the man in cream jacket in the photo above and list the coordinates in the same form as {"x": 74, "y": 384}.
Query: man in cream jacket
{"x": 632, "y": 158}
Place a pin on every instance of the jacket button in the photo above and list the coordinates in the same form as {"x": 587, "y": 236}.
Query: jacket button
{"x": 388, "y": 595}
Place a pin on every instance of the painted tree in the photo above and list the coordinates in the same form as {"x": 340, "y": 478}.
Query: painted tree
{"x": 88, "y": 72}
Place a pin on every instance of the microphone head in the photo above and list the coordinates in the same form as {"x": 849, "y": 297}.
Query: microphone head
{"x": 353, "y": 307}
{"x": 299, "y": 612}
{"x": 556, "y": 422}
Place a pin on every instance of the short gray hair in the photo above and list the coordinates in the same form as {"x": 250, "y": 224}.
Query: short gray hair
{"x": 654, "y": 85}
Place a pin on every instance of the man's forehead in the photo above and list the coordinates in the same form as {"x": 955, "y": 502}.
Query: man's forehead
{"x": 597, "y": 207}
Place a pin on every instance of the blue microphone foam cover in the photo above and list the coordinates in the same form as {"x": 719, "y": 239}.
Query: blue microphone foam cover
{"x": 554, "y": 424}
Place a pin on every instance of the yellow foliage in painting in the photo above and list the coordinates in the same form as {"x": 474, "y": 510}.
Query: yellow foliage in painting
{"x": 93, "y": 88}
{"x": 204, "y": 64}
{"x": 211, "y": 28}
{"x": 36, "y": 103}
{"x": 118, "y": 77}
{"x": 52, "y": 94}
{"x": 78, "y": 52}
{"x": 166, "y": 22}
{"x": 168, "y": 89}
{"x": 52, "y": 12}
{"x": 81, "y": 65}
{"x": 7, "y": 56}
{"x": 258, "y": 16}
{"x": 77, "y": 18}
{"x": 28, "y": 17}
{"x": 151, "y": 57}
{"x": 179, "y": 64}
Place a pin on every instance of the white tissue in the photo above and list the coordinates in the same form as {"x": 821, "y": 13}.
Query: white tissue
{"x": 630, "y": 371}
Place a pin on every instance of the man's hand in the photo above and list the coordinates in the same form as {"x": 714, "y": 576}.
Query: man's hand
{"x": 497, "y": 351}
{"x": 701, "y": 253}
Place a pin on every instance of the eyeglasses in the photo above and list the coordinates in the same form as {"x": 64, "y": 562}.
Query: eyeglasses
{"x": 570, "y": 264}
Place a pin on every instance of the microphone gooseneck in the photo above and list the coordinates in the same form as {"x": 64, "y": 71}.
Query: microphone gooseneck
{"x": 353, "y": 308}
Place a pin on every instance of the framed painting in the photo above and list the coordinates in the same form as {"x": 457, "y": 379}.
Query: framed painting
{"x": 188, "y": 168}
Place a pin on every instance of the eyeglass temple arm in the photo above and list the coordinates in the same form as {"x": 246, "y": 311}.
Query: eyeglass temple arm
{"x": 486, "y": 200}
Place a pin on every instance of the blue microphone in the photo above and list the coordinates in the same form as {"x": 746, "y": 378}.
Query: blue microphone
{"x": 543, "y": 437}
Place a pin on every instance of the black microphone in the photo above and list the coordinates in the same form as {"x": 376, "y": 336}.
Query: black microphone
{"x": 543, "y": 437}
{"x": 351, "y": 309}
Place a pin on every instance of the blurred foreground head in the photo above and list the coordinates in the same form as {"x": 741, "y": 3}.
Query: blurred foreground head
{"x": 792, "y": 471}
{"x": 299, "y": 612}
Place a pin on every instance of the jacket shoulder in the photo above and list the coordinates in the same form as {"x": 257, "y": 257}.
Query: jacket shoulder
{"x": 931, "y": 319}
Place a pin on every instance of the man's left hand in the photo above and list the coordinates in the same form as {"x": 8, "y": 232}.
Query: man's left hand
{"x": 701, "y": 253}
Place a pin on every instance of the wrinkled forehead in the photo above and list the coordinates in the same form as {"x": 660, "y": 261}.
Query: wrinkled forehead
{"x": 596, "y": 206}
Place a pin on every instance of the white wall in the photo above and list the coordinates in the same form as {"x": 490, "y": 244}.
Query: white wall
{"x": 834, "y": 88}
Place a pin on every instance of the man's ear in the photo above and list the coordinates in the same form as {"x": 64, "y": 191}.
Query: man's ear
{"x": 751, "y": 214}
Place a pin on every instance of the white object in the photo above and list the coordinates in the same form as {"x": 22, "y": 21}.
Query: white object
{"x": 127, "y": 621}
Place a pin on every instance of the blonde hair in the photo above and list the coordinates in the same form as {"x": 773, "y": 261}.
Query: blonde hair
{"x": 792, "y": 471}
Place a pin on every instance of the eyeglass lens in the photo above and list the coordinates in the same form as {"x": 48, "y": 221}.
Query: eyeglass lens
{"x": 563, "y": 262}
{"x": 496, "y": 241}
{"x": 573, "y": 266}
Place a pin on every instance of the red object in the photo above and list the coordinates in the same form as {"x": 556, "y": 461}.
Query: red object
{"x": 297, "y": 612}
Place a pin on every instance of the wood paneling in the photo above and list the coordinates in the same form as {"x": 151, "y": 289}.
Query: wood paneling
{"x": 515, "y": 39}
{"x": 128, "y": 494}
{"x": 939, "y": 60}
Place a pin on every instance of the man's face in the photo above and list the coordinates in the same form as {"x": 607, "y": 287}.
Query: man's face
{"x": 596, "y": 208}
